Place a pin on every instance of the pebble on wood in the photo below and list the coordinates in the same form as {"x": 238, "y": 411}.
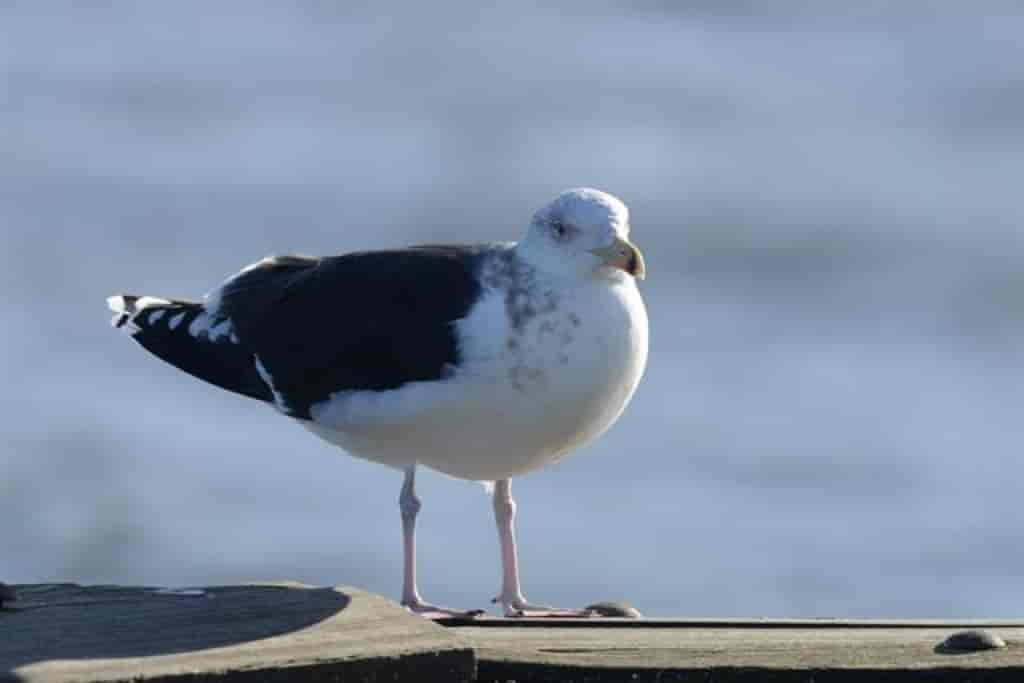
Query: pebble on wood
{"x": 974, "y": 640}
{"x": 615, "y": 609}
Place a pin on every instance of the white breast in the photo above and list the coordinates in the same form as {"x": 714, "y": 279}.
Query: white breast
{"x": 527, "y": 391}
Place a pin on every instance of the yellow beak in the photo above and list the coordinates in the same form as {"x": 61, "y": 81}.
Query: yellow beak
{"x": 624, "y": 255}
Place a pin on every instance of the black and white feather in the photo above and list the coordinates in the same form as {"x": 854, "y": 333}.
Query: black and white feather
{"x": 481, "y": 361}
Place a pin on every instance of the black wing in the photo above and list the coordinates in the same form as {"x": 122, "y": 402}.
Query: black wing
{"x": 368, "y": 321}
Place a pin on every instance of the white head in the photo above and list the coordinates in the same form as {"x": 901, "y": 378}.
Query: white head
{"x": 583, "y": 231}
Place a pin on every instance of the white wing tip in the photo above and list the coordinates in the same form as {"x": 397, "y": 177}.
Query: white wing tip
{"x": 116, "y": 303}
{"x": 123, "y": 313}
{"x": 126, "y": 307}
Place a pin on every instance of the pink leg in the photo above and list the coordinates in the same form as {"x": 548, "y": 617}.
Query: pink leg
{"x": 409, "y": 504}
{"x": 511, "y": 597}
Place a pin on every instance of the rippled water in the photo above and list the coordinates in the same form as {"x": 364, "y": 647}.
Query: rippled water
{"x": 829, "y": 204}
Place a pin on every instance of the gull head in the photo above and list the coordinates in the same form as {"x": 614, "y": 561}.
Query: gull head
{"x": 583, "y": 232}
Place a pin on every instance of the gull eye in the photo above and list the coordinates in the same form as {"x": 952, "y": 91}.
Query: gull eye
{"x": 560, "y": 230}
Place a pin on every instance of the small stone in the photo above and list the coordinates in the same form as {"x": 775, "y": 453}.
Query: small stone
{"x": 615, "y": 609}
{"x": 6, "y": 594}
{"x": 974, "y": 640}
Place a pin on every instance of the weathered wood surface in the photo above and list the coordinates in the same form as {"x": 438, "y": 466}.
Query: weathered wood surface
{"x": 259, "y": 632}
{"x": 292, "y": 632}
{"x": 738, "y": 650}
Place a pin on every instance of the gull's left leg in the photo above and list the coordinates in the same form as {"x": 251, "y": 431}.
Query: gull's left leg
{"x": 511, "y": 597}
{"x": 409, "y": 504}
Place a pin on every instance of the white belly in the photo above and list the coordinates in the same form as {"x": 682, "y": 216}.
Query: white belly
{"x": 522, "y": 397}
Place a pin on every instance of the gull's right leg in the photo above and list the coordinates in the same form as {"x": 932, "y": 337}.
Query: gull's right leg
{"x": 409, "y": 504}
{"x": 511, "y": 596}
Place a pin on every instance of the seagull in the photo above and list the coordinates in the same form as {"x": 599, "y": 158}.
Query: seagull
{"x": 481, "y": 361}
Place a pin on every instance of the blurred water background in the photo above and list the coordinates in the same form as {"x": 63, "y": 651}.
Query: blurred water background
{"x": 831, "y": 207}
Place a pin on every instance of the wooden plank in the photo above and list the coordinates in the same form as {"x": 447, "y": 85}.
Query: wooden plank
{"x": 737, "y": 650}
{"x": 65, "y": 632}
{"x": 70, "y": 633}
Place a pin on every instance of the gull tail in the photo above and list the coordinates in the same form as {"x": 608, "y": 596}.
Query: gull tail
{"x": 185, "y": 335}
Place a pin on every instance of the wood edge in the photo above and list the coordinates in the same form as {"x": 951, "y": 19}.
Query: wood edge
{"x": 738, "y": 623}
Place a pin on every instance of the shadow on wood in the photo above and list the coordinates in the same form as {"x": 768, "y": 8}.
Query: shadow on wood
{"x": 61, "y": 632}
{"x": 132, "y": 622}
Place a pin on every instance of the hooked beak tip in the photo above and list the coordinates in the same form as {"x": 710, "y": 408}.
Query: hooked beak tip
{"x": 625, "y": 256}
{"x": 636, "y": 266}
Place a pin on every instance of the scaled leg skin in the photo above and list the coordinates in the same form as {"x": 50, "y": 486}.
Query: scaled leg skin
{"x": 409, "y": 504}
{"x": 511, "y": 598}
